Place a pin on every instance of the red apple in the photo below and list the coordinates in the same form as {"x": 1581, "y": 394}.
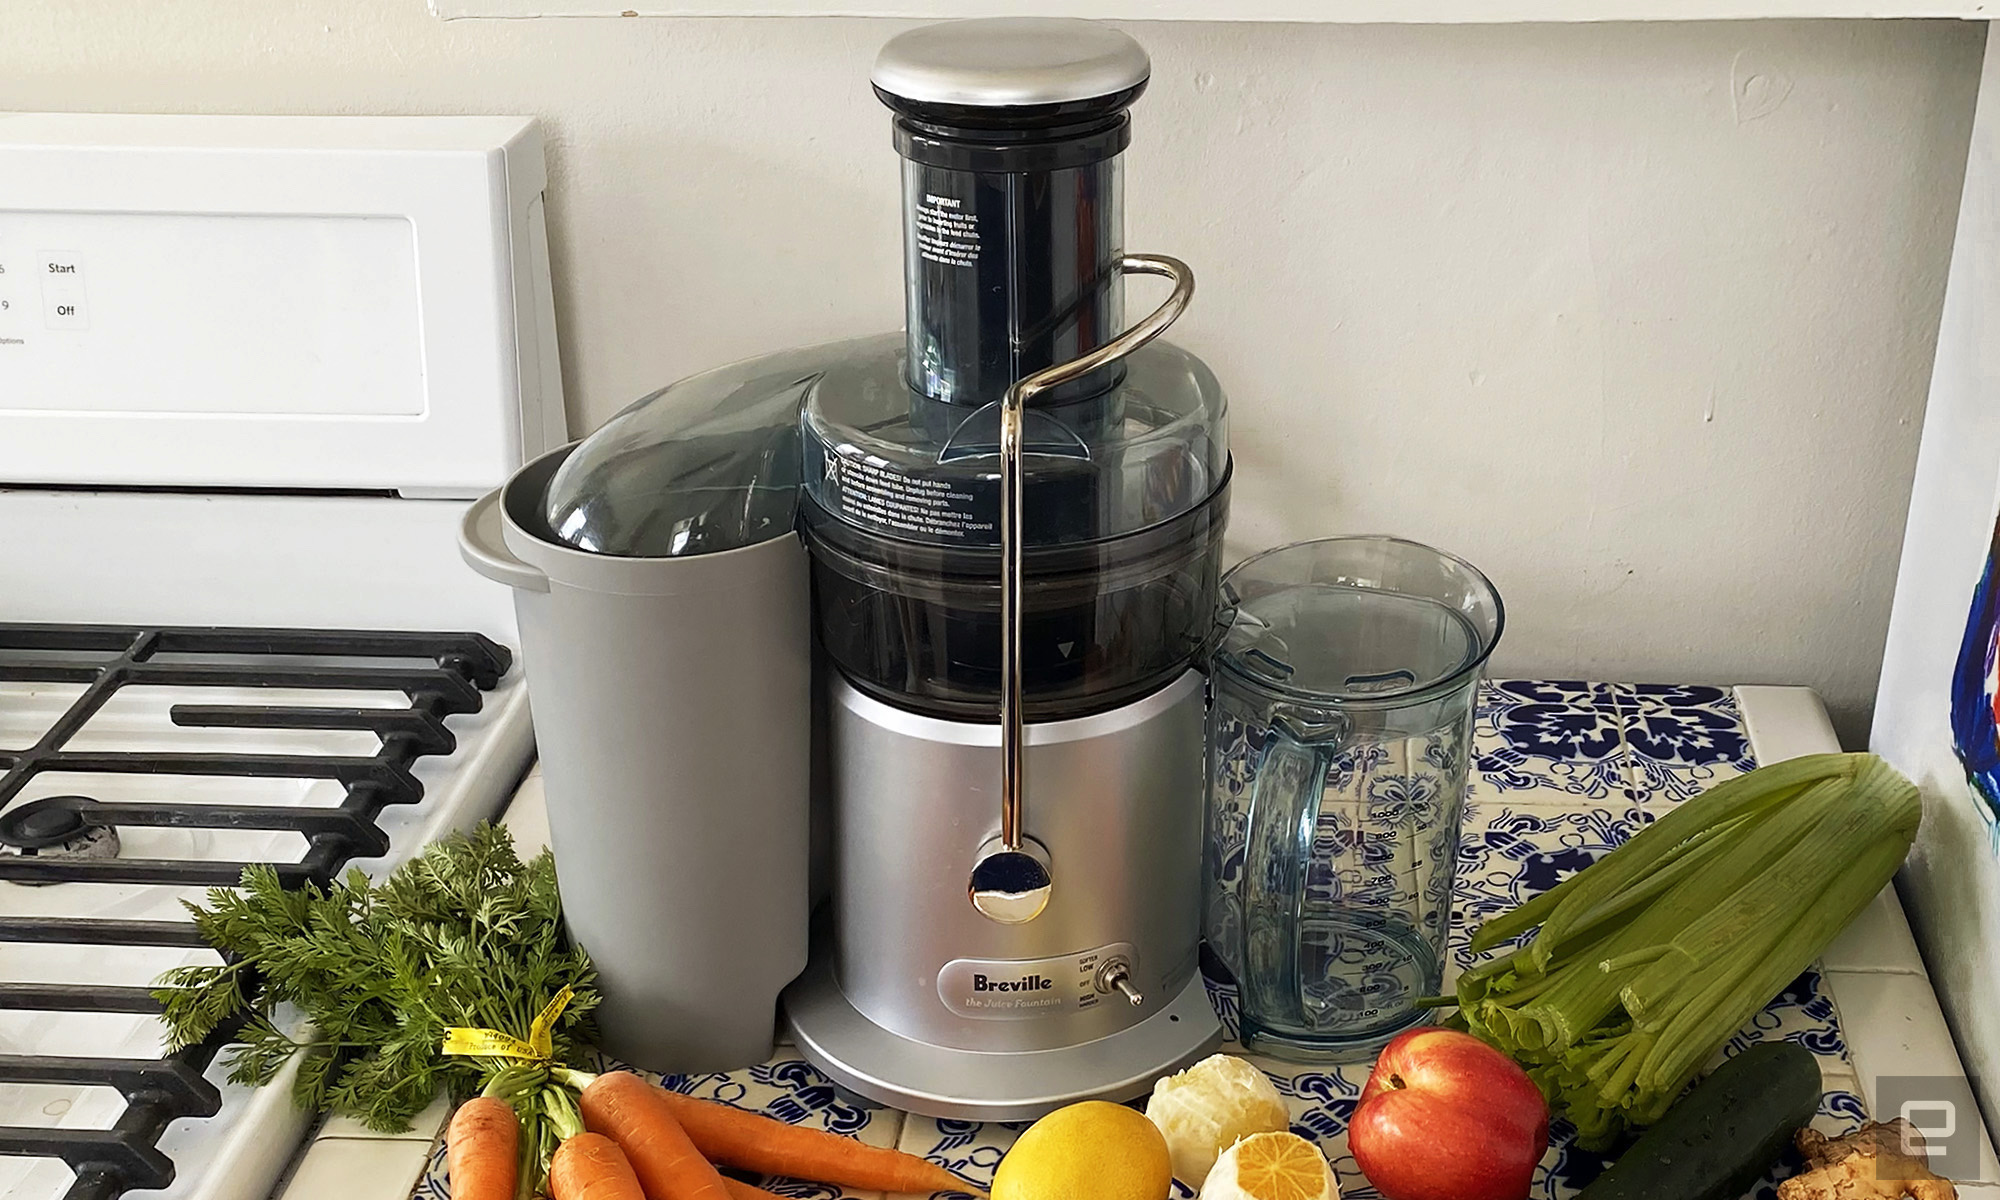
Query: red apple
{"x": 1447, "y": 1117}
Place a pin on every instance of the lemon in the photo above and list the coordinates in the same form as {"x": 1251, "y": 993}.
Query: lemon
{"x": 1204, "y": 1109}
{"x": 1270, "y": 1166}
{"x": 1088, "y": 1151}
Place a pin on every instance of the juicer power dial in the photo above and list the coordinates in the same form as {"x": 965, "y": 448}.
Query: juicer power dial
{"x": 1116, "y": 976}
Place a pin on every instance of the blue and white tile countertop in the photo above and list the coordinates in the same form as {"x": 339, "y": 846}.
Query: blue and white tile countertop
{"x": 1565, "y": 772}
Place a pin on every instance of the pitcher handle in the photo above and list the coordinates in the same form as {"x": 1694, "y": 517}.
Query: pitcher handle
{"x": 483, "y": 546}
{"x": 1285, "y": 797}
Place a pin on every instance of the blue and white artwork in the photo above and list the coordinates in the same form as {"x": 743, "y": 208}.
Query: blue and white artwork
{"x": 1975, "y": 689}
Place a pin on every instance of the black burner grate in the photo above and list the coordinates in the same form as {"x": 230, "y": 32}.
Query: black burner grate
{"x": 441, "y": 673}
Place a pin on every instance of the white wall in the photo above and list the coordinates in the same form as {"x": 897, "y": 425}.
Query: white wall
{"x": 1639, "y": 318}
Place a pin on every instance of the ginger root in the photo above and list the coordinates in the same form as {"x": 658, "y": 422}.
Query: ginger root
{"x": 1879, "y": 1161}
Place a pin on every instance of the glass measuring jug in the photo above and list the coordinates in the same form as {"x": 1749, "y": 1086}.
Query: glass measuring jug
{"x": 1339, "y": 738}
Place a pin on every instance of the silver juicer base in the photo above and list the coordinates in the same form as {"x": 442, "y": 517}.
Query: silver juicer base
{"x": 975, "y": 1085}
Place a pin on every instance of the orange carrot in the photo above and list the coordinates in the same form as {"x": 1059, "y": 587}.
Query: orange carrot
{"x": 591, "y": 1167}
{"x": 629, "y": 1111}
{"x": 481, "y": 1148}
{"x": 749, "y": 1142}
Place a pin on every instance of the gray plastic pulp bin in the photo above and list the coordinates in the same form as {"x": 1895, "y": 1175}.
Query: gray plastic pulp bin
{"x": 672, "y": 706}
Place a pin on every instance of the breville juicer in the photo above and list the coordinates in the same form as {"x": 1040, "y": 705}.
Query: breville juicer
{"x": 1014, "y": 512}
{"x": 1015, "y": 519}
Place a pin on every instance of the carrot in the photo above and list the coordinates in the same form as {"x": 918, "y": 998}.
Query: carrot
{"x": 481, "y": 1150}
{"x": 628, "y": 1110}
{"x": 749, "y": 1142}
{"x": 591, "y": 1167}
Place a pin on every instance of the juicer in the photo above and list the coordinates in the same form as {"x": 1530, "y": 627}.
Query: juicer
{"x": 1012, "y": 514}
{"x": 1015, "y": 527}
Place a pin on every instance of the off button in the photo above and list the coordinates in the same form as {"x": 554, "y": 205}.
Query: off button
{"x": 63, "y": 302}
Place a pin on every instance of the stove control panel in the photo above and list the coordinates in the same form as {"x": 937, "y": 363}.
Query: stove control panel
{"x": 12, "y": 268}
{"x": 203, "y": 314}
{"x": 295, "y": 303}
{"x": 1002, "y": 989}
{"x": 40, "y": 290}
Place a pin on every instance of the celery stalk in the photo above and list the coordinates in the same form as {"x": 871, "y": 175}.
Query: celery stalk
{"x": 1749, "y": 794}
{"x": 1642, "y": 965}
{"x": 1690, "y": 856}
{"x": 1769, "y": 872}
{"x": 1663, "y": 838}
{"x": 1803, "y": 868}
{"x": 1844, "y": 898}
{"x": 1583, "y": 999}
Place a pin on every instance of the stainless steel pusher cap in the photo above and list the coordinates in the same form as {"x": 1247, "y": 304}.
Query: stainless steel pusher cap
{"x": 1007, "y": 62}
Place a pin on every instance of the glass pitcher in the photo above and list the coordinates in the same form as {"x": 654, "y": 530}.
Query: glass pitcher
{"x": 1339, "y": 733}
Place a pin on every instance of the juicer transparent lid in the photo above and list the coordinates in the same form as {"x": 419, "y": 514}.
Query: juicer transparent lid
{"x": 715, "y": 461}
{"x": 887, "y": 459}
{"x": 708, "y": 464}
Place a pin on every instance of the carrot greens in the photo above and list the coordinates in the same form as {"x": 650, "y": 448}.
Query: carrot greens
{"x": 462, "y": 946}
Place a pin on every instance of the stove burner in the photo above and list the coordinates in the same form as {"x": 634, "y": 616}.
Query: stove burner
{"x": 53, "y": 823}
{"x": 56, "y": 827}
{"x": 68, "y": 838}
{"x": 42, "y": 824}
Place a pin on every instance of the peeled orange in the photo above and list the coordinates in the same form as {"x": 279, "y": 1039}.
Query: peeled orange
{"x": 1206, "y": 1108}
{"x": 1271, "y": 1166}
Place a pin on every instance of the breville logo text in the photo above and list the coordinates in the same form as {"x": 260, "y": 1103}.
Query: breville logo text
{"x": 1032, "y": 983}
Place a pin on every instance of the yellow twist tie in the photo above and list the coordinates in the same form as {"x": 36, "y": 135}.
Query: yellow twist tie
{"x": 491, "y": 1043}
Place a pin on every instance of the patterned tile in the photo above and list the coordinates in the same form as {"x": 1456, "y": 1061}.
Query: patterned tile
{"x": 436, "y": 1181}
{"x": 971, "y": 1149}
{"x": 1841, "y": 1108}
{"x": 1322, "y": 1103}
{"x": 1683, "y": 738}
{"x": 1508, "y": 853}
{"x": 1549, "y": 742}
{"x": 1222, "y": 995}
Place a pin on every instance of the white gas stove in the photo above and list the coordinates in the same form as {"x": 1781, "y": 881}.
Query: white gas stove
{"x": 251, "y": 371}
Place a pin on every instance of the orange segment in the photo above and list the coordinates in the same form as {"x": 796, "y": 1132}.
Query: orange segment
{"x": 1280, "y": 1166}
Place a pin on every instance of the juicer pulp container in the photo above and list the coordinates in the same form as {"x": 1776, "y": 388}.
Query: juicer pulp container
{"x": 672, "y": 707}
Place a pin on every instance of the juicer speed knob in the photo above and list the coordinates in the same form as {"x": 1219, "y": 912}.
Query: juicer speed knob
{"x": 1011, "y": 886}
{"x": 1116, "y": 976}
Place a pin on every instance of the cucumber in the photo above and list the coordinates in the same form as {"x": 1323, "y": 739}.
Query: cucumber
{"x": 1717, "y": 1141}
